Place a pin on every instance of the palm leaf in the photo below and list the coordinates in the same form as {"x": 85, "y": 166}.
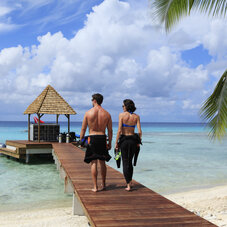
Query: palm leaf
{"x": 214, "y": 109}
{"x": 170, "y": 12}
{"x": 214, "y": 7}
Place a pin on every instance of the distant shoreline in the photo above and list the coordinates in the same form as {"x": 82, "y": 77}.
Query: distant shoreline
{"x": 148, "y": 122}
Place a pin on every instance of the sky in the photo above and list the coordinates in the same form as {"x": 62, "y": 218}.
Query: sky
{"x": 111, "y": 47}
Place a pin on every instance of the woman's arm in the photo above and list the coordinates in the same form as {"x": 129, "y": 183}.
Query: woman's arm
{"x": 139, "y": 127}
{"x": 119, "y": 130}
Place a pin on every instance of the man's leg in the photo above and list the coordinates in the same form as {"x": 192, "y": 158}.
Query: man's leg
{"x": 103, "y": 173}
{"x": 94, "y": 174}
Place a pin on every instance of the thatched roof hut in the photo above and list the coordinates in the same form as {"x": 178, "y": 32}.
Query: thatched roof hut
{"x": 49, "y": 102}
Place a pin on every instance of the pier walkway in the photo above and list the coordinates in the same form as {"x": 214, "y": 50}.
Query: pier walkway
{"x": 115, "y": 206}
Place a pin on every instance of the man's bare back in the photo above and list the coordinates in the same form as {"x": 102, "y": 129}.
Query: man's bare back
{"x": 97, "y": 120}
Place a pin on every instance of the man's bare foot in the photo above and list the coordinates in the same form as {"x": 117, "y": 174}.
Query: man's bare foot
{"x": 94, "y": 189}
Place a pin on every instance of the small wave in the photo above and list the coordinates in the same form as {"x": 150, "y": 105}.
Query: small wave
{"x": 145, "y": 170}
{"x": 175, "y": 143}
{"x": 2, "y": 172}
{"x": 4, "y": 197}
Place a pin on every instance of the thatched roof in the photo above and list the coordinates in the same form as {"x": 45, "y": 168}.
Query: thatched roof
{"x": 49, "y": 102}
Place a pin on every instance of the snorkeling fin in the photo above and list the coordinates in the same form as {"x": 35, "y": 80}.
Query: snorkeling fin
{"x": 117, "y": 153}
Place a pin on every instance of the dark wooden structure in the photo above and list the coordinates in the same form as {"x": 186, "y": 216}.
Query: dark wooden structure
{"x": 22, "y": 149}
{"x": 48, "y": 102}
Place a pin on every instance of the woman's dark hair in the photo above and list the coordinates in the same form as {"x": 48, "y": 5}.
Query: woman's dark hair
{"x": 98, "y": 97}
{"x": 129, "y": 105}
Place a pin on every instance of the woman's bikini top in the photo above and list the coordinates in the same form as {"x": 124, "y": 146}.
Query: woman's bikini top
{"x": 130, "y": 126}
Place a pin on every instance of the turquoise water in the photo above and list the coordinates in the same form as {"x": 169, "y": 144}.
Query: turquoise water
{"x": 174, "y": 157}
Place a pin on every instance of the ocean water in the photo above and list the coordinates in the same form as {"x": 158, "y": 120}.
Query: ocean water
{"x": 174, "y": 157}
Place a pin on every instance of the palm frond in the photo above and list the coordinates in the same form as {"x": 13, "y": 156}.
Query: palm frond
{"x": 170, "y": 12}
{"x": 214, "y": 7}
{"x": 214, "y": 109}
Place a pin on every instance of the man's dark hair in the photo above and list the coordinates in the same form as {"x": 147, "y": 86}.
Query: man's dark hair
{"x": 129, "y": 105}
{"x": 98, "y": 97}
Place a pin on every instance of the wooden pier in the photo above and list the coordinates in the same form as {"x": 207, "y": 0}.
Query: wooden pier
{"x": 113, "y": 206}
{"x": 22, "y": 149}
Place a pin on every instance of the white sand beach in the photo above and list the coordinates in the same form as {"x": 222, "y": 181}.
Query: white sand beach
{"x": 209, "y": 203}
{"x": 54, "y": 217}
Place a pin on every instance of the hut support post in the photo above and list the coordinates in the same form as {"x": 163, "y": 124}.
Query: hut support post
{"x": 68, "y": 123}
{"x": 29, "y": 127}
{"x": 68, "y": 116}
{"x": 39, "y": 117}
{"x": 38, "y": 127}
{"x": 57, "y": 116}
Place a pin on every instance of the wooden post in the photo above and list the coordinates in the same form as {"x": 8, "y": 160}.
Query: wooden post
{"x": 38, "y": 127}
{"x": 68, "y": 116}
{"x": 57, "y": 115}
{"x": 29, "y": 127}
{"x": 77, "y": 209}
{"x": 68, "y": 123}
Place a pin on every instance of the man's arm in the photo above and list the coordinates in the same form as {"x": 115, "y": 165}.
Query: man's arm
{"x": 84, "y": 127}
{"x": 110, "y": 132}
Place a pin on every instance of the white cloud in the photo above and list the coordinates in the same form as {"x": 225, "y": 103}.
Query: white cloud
{"x": 119, "y": 53}
{"x": 191, "y": 79}
{"x": 4, "y": 10}
{"x": 7, "y": 27}
{"x": 200, "y": 29}
{"x": 5, "y": 20}
{"x": 217, "y": 67}
{"x": 10, "y": 60}
{"x": 215, "y": 40}
{"x": 188, "y": 104}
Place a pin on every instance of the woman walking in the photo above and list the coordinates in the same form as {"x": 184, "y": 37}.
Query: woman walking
{"x": 127, "y": 141}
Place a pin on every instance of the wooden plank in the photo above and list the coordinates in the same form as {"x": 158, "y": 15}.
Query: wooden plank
{"x": 16, "y": 143}
{"x": 9, "y": 150}
{"x": 9, "y": 153}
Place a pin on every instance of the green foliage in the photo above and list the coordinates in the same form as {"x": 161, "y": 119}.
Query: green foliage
{"x": 215, "y": 109}
{"x": 170, "y": 12}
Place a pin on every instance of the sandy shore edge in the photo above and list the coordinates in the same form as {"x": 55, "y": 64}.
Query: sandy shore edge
{"x": 209, "y": 203}
{"x": 52, "y": 217}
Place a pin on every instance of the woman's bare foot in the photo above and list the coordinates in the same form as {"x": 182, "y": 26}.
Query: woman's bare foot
{"x": 94, "y": 189}
{"x": 128, "y": 188}
{"x": 103, "y": 187}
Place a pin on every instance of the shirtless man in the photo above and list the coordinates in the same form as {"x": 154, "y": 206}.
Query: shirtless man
{"x": 97, "y": 119}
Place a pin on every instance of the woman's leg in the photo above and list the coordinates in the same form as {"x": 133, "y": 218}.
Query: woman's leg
{"x": 127, "y": 156}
